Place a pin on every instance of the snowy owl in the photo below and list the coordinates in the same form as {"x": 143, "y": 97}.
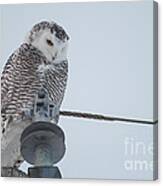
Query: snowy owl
{"x": 40, "y": 61}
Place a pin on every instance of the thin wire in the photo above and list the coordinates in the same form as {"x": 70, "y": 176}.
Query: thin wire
{"x": 103, "y": 117}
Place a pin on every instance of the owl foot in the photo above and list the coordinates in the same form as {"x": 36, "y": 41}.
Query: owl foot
{"x": 27, "y": 114}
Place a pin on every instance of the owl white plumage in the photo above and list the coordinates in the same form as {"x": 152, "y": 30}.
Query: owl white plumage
{"x": 41, "y": 61}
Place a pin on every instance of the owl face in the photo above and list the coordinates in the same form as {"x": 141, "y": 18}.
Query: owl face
{"x": 51, "y": 40}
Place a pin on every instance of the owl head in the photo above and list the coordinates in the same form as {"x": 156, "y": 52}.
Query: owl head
{"x": 51, "y": 39}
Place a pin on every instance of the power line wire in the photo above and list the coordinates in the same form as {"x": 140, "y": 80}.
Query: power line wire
{"x": 103, "y": 117}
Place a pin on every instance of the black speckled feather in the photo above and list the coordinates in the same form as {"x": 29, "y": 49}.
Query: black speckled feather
{"x": 22, "y": 78}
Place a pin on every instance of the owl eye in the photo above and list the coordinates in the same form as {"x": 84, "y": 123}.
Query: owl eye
{"x": 49, "y": 42}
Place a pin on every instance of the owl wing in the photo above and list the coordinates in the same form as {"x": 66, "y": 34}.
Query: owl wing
{"x": 19, "y": 82}
{"x": 5, "y": 80}
{"x": 7, "y": 83}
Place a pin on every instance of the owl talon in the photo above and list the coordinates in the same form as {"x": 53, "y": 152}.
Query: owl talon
{"x": 27, "y": 114}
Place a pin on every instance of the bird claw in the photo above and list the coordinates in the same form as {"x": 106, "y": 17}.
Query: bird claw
{"x": 27, "y": 114}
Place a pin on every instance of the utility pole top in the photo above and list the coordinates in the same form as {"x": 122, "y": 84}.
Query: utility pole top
{"x": 42, "y": 142}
